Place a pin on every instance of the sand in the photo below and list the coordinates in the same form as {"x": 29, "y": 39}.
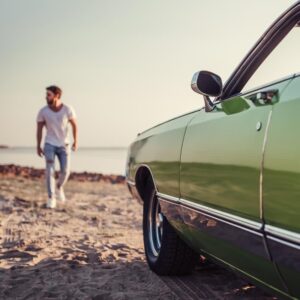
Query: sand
{"x": 89, "y": 248}
{"x": 85, "y": 249}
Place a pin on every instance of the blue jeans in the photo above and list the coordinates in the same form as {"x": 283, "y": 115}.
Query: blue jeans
{"x": 63, "y": 155}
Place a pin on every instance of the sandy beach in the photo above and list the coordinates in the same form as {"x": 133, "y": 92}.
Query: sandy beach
{"x": 89, "y": 248}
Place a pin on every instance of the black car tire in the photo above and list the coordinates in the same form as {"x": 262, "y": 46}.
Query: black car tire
{"x": 171, "y": 256}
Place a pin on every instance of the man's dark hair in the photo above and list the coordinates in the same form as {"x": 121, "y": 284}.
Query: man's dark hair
{"x": 55, "y": 90}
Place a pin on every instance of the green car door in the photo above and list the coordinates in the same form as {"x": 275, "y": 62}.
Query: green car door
{"x": 220, "y": 182}
{"x": 281, "y": 186}
{"x": 157, "y": 150}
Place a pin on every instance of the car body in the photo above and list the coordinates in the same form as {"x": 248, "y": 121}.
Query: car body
{"x": 226, "y": 177}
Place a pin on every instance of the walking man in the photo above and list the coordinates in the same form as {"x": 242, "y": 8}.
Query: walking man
{"x": 56, "y": 116}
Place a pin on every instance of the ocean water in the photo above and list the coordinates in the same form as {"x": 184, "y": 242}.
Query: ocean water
{"x": 100, "y": 160}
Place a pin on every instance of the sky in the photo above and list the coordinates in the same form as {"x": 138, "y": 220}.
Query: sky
{"x": 124, "y": 65}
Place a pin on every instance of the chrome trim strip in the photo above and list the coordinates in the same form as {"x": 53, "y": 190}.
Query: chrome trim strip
{"x": 130, "y": 182}
{"x": 282, "y": 234}
{"x": 223, "y": 215}
{"x": 279, "y": 240}
{"x": 213, "y": 212}
{"x": 167, "y": 197}
{"x": 262, "y": 165}
{"x": 273, "y": 82}
{"x": 168, "y": 201}
{"x": 240, "y": 226}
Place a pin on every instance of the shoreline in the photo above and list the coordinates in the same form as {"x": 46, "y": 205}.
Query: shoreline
{"x": 12, "y": 170}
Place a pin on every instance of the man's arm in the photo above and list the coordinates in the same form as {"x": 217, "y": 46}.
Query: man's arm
{"x": 74, "y": 130}
{"x": 39, "y": 134}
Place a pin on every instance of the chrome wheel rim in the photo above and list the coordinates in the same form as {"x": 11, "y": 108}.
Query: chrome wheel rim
{"x": 155, "y": 226}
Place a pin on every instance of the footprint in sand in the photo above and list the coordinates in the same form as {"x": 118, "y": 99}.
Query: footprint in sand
{"x": 118, "y": 246}
{"x": 33, "y": 248}
{"x": 24, "y": 256}
{"x": 102, "y": 207}
{"x": 117, "y": 211}
{"x": 22, "y": 202}
{"x": 12, "y": 235}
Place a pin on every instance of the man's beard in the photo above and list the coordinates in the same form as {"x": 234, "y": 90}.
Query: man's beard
{"x": 50, "y": 102}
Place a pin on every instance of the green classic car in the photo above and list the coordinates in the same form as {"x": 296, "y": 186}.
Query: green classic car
{"x": 224, "y": 181}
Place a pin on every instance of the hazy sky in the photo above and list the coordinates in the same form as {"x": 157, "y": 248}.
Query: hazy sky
{"x": 124, "y": 65}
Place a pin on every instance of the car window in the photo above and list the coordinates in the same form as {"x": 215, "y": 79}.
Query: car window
{"x": 284, "y": 60}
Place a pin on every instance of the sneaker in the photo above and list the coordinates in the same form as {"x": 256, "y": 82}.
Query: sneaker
{"x": 51, "y": 203}
{"x": 61, "y": 195}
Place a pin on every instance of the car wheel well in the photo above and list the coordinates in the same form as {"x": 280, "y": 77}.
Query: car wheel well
{"x": 144, "y": 182}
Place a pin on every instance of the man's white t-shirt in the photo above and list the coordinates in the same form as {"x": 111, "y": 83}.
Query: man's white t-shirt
{"x": 56, "y": 124}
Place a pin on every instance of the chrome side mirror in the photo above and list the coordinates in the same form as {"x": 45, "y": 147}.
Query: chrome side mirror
{"x": 207, "y": 84}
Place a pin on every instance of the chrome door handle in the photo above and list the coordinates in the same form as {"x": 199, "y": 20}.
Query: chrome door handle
{"x": 265, "y": 97}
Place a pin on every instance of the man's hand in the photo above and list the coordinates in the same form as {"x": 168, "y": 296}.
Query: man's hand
{"x": 74, "y": 129}
{"x": 40, "y": 151}
{"x": 74, "y": 146}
